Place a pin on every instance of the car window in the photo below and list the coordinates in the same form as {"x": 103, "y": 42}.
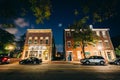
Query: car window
{"x": 92, "y": 57}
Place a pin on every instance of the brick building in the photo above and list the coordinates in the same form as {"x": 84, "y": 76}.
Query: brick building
{"x": 103, "y": 47}
{"x": 38, "y": 44}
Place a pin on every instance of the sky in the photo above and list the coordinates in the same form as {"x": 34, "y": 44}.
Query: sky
{"x": 62, "y": 15}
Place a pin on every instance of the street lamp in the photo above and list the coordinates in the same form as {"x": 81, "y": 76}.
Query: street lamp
{"x": 100, "y": 48}
{"x": 10, "y": 48}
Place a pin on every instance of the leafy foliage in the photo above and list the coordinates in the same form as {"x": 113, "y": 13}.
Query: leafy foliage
{"x": 99, "y": 10}
{"x": 117, "y": 51}
{"x": 83, "y": 35}
{"x": 5, "y": 39}
{"x": 40, "y": 9}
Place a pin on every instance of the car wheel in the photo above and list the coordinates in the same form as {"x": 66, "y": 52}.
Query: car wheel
{"x": 20, "y": 62}
{"x": 87, "y": 62}
{"x": 102, "y": 62}
{"x": 117, "y": 63}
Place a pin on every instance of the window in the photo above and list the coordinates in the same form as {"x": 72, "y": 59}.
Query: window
{"x": 100, "y": 43}
{"x": 85, "y": 45}
{"x": 41, "y": 41}
{"x": 94, "y": 45}
{"x": 104, "y": 34}
{"x": 68, "y": 34}
{"x": 40, "y": 53}
{"x": 46, "y": 41}
{"x": 36, "y": 38}
{"x": 29, "y": 41}
{"x": 98, "y": 33}
{"x": 46, "y": 37}
{"x": 35, "y": 41}
{"x": 107, "y": 44}
{"x": 68, "y": 43}
{"x": 26, "y": 53}
{"x": 109, "y": 55}
{"x": 30, "y": 37}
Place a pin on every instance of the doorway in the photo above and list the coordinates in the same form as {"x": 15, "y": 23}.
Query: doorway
{"x": 69, "y": 56}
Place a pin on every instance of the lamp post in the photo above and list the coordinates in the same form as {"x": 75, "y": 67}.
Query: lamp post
{"x": 100, "y": 48}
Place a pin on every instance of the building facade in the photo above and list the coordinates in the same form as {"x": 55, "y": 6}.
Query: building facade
{"x": 103, "y": 47}
{"x": 38, "y": 44}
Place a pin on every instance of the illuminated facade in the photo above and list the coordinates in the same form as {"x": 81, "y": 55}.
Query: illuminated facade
{"x": 38, "y": 44}
{"x": 103, "y": 47}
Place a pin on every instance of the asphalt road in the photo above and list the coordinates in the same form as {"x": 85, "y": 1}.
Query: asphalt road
{"x": 59, "y": 71}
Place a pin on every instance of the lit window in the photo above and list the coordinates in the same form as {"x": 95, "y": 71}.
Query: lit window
{"x": 40, "y": 52}
{"x": 46, "y": 37}
{"x": 41, "y": 37}
{"x": 104, "y": 33}
{"x": 94, "y": 45}
{"x": 100, "y": 43}
{"x": 36, "y": 38}
{"x": 30, "y": 37}
{"x": 98, "y": 33}
{"x": 107, "y": 44}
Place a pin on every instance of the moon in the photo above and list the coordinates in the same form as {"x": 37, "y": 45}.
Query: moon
{"x": 60, "y": 24}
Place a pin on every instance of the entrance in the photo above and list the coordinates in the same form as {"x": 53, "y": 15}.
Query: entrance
{"x": 33, "y": 53}
{"x": 69, "y": 56}
{"x": 109, "y": 55}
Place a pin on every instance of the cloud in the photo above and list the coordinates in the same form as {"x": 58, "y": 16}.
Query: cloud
{"x": 12, "y": 30}
{"x": 59, "y": 47}
{"x": 21, "y": 22}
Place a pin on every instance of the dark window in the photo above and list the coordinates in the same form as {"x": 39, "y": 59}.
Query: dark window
{"x": 30, "y": 41}
{"x": 46, "y": 41}
{"x": 68, "y": 43}
{"x": 41, "y": 41}
{"x": 35, "y": 41}
{"x": 68, "y": 34}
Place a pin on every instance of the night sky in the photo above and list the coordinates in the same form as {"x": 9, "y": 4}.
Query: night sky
{"x": 62, "y": 16}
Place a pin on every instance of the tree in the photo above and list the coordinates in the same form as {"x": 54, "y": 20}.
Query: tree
{"x": 117, "y": 51}
{"x": 92, "y": 12}
{"x": 83, "y": 34}
{"x": 98, "y": 10}
{"x": 5, "y": 39}
{"x": 9, "y": 10}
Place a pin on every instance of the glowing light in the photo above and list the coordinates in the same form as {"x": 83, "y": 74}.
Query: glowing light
{"x": 60, "y": 24}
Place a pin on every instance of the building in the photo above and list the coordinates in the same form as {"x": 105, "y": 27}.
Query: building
{"x": 103, "y": 47}
{"x": 38, "y": 44}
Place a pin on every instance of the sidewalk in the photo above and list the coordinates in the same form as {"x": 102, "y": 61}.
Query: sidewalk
{"x": 61, "y": 62}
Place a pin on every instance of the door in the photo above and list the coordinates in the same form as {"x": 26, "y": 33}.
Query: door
{"x": 69, "y": 56}
{"x": 109, "y": 55}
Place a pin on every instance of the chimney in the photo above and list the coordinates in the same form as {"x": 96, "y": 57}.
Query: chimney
{"x": 91, "y": 26}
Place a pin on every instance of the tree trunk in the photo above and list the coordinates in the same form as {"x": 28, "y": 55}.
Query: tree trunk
{"x": 83, "y": 49}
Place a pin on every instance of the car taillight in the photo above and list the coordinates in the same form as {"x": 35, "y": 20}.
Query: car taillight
{"x": 4, "y": 59}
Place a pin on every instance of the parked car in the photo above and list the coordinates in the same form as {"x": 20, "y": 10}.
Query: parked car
{"x": 93, "y": 60}
{"x": 4, "y": 58}
{"x": 31, "y": 60}
{"x": 116, "y": 61}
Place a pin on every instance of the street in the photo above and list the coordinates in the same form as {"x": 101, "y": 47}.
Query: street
{"x": 59, "y": 71}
